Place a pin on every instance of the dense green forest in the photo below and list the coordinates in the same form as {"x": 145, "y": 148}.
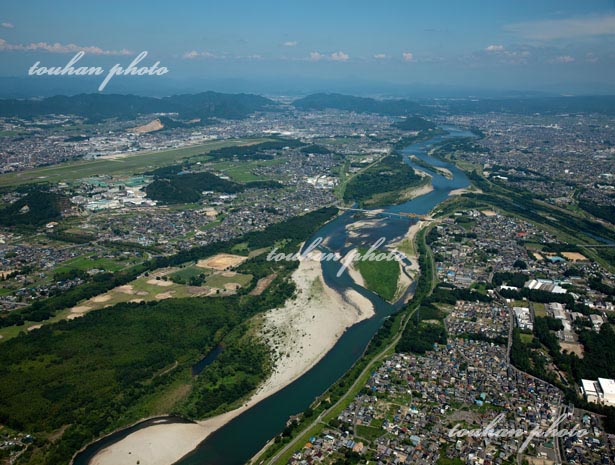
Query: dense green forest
{"x": 316, "y": 149}
{"x": 101, "y": 106}
{"x": 116, "y": 365}
{"x": 390, "y": 107}
{"x": 605, "y": 212}
{"x": 424, "y": 336}
{"x": 173, "y": 188}
{"x": 34, "y": 209}
{"x": 91, "y": 372}
{"x": 419, "y": 335}
{"x": 389, "y": 175}
{"x": 255, "y": 151}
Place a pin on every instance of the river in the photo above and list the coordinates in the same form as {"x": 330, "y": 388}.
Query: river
{"x": 237, "y": 441}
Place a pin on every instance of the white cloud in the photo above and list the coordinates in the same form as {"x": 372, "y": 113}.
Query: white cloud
{"x": 290, "y": 43}
{"x": 194, "y": 54}
{"x": 496, "y": 53}
{"x": 339, "y": 56}
{"x": 407, "y": 56}
{"x": 494, "y": 48}
{"x": 59, "y": 48}
{"x": 564, "y": 28}
{"x": 7, "y": 25}
{"x": 380, "y": 56}
{"x": 564, "y": 59}
{"x": 316, "y": 56}
{"x": 335, "y": 56}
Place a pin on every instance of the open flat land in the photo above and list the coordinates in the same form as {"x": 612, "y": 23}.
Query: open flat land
{"x": 243, "y": 172}
{"x": 127, "y": 163}
{"x": 222, "y": 261}
{"x": 153, "y": 287}
{"x": 574, "y": 256}
{"x": 140, "y": 290}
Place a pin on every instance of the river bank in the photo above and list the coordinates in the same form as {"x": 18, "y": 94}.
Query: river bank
{"x": 240, "y": 438}
{"x": 299, "y": 334}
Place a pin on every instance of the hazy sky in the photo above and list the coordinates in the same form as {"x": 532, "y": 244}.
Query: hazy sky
{"x": 559, "y": 45}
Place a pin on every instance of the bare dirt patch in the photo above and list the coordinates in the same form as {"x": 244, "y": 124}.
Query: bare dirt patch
{"x": 574, "y": 256}
{"x": 155, "y": 125}
{"x": 72, "y": 316}
{"x": 221, "y": 262}
{"x": 159, "y": 282}
{"x": 263, "y": 284}
{"x": 573, "y": 347}
{"x": 81, "y": 309}
{"x": 125, "y": 289}
{"x": 164, "y": 295}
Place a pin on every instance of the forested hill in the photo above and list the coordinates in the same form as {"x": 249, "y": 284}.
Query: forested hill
{"x": 100, "y": 106}
{"x": 414, "y": 123}
{"x": 390, "y": 107}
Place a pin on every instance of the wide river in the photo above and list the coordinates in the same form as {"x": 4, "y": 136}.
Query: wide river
{"x": 237, "y": 441}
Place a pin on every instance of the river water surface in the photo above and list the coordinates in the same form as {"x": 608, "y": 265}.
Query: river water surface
{"x": 237, "y": 441}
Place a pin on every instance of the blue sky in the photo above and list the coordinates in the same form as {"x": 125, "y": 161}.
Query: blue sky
{"x": 560, "y": 45}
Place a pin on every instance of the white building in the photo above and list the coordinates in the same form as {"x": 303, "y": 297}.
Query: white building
{"x": 601, "y": 391}
{"x": 597, "y": 321}
{"x": 523, "y": 318}
{"x": 547, "y": 285}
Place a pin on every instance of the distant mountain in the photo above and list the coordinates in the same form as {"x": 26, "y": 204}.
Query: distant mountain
{"x": 389, "y": 107}
{"x": 603, "y": 104}
{"x": 100, "y": 106}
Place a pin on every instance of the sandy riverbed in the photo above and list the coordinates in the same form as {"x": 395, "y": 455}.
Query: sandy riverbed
{"x": 421, "y": 190}
{"x": 300, "y": 333}
{"x": 463, "y": 190}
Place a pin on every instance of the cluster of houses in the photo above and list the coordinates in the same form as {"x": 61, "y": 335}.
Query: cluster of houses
{"x": 489, "y": 320}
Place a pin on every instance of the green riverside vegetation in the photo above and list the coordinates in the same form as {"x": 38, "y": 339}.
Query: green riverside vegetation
{"x": 380, "y": 184}
{"x": 70, "y": 382}
{"x": 380, "y": 277}
{"x": 337, "y": 397}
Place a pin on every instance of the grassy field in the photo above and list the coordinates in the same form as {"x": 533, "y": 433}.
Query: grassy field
{"x": 242, "y": 172}
{"x": 380, "y": 277}
{"x": 184, "y": 275}
{"x": 539, "y": 309}
{"x": 219, "y": 280}
{"x": 526, "y": 338}
{"x": 144, "y": 288}
{"x": 88, "y": 263}
{"x": 129, "y": 164}
{"x": 13, "y": 331}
